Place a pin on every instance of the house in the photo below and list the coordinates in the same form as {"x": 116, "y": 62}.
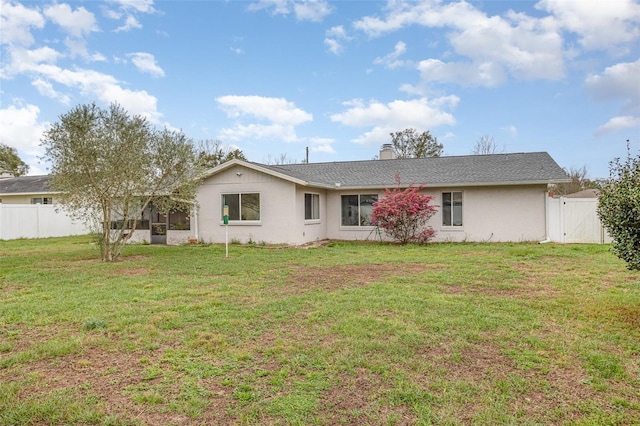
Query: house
{"x": 26, "y": 190}
{"x": 497, "y": 197}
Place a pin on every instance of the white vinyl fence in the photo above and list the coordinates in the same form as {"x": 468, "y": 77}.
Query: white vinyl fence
{"x": 36, "y": 221}
{"x": 575, "y": 220}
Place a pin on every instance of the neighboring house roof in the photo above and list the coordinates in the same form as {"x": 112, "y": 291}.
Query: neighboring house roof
{"x": 585, "y": 193}
{"x": 25, "y": 185}
{"x": 468, "y": 170}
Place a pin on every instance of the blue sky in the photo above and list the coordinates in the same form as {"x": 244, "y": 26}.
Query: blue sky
{"x": 274, "y": 77}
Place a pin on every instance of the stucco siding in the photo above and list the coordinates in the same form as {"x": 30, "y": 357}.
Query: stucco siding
{"x": 500, "y": 213}
{"x": 277, "y": 222}
{"x": 314, "y": 229}
{"x": 506, "y": 213}
{"x": 335, "y": 230}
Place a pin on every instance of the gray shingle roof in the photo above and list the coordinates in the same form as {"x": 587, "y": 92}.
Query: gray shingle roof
{"x": 494, "y": 169}
{"x": 25, "y": 185}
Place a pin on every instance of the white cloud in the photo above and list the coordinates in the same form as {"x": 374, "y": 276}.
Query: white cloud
{"x": 338, "y": 32}
{"x": 322, "y": 145}
{"x": 16, "y": 22}
{"x": 22, "y": 60}
{"x": 20, "y": 128}
{"x": 45, "y": 88}
{"x": 281, "y": 116}
{"x": 334, "y": 46}
{"x": 599, "y": 24}
{"x": 77, "y": 23}
{"x": 333, "y": 38}
{"x": 279, "y": 7}
{"x": 259, "y": 131}
{"x": 391, "y": 60}
{"x": 90, "y": 83}
{"x": 146, "y": 63}
{"x": 421, "y": 114}
{"x": 618, "y": 123}
{"x": 529, "y": 48}
{"x": 143, "y": 6}
{"x": 275, "y": 110}
{"x": 305, "y": 10}
{"x": 312, "y": 10}
{"x": 488, "y": 74}
{"x": 97, "y": 57}
{"x": 130, "y": 23}
{"x": 620, "y": 81}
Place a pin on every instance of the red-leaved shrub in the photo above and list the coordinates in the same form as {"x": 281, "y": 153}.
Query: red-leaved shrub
{"x": 403, "y": 214}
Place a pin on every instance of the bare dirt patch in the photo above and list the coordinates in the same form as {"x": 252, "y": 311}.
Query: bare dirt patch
{"x": 340, "y": 277}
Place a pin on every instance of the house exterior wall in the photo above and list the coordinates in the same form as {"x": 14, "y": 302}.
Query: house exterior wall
{"x": 501, "y": 213}
{"x": 278, "y": 209}
{"x": 313, "y": 229}
{"x": 335, "y": 230}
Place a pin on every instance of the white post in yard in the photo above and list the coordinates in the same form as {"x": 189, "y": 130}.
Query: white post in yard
{"x": 225, "y": 217}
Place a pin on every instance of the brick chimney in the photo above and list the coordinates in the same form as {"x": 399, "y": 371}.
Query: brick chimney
{"x": 386, "y": 153}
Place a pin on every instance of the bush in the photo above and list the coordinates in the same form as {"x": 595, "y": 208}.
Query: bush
{"x": 403, "y": 214}
{"x": 619, "y": 208}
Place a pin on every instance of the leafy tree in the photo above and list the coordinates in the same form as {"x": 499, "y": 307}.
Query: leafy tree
{"x": 579, "y": 181}
{"x": 110, "y": 165}
{"x": 409, "y": 143}
{"x": 212, "y": 153}
{"x": 10, "y": 162}
{"x": 486, "y": 145}
{"x": 619, "y": 208}
{"x": 403, "y": 214}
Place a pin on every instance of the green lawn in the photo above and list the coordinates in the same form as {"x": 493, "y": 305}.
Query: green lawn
{"x": 346, "y": 333}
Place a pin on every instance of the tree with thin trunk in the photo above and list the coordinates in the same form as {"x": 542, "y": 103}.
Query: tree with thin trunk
{"x": 409, "y": 143}
{"x": 279, "y": 160}
{"x": 486, "y": 145}
{"x": 212, "y": 153}
{"x": 109, "y": 166}
{"x": 579, "y": 181}
{"x": 10, "y": 162}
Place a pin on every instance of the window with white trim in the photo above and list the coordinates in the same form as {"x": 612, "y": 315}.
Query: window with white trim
{"x": 356, "y": 209}
{"x": 311, "y": 206}
{"x": 452, "y": 208}
{"x": 242, "y": 206}
{"x": 42, "y": 200}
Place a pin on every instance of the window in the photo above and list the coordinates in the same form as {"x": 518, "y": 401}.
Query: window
{"x": 452, "y": 209}
{"x": 311, "y": 206}
{"x": 242, "y": 206}
{"x": 42, "y": 200}
{"x": 179, "y": 221}
{"x": 356, "y": 209}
